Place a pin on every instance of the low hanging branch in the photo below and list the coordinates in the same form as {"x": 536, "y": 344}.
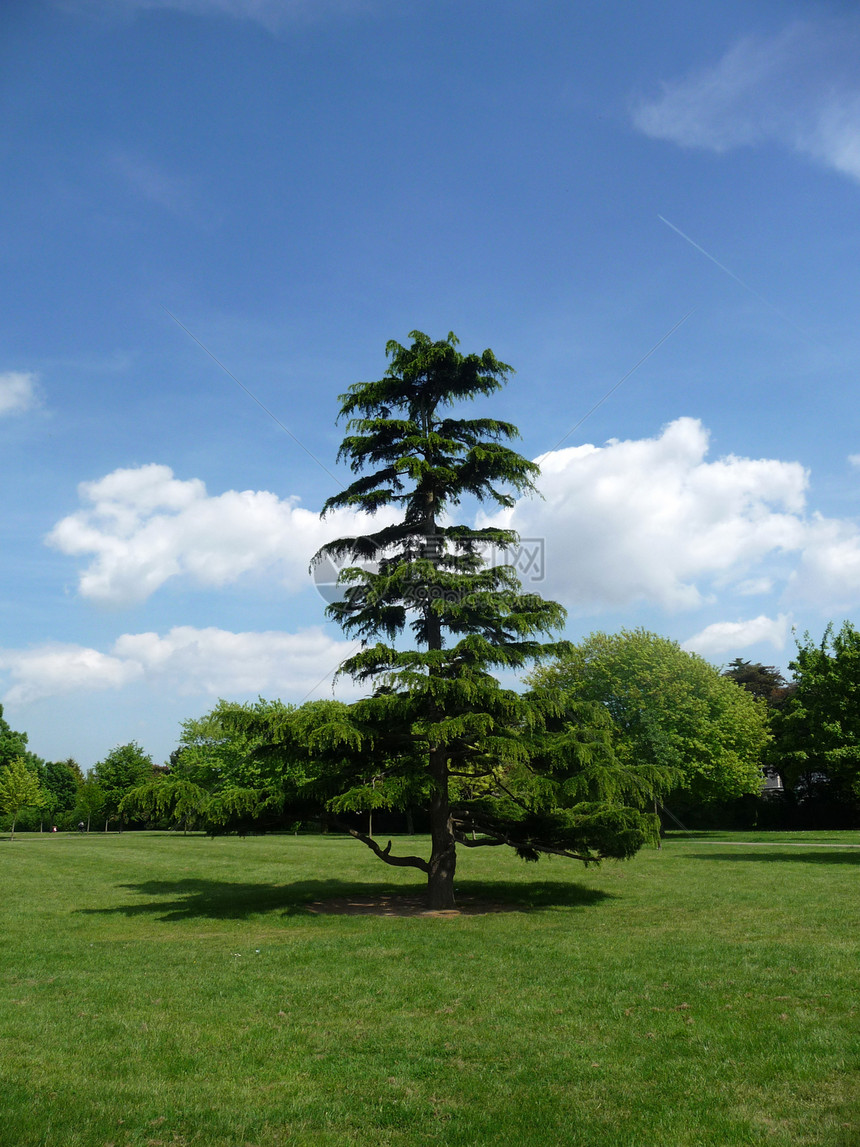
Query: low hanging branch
{"x": 382, "y": 853}
{"x": 537, "y": 846}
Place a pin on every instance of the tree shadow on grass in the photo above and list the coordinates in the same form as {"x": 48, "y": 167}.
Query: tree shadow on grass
{"x": 773, "y": 854}
{"x": 520, "y": 896}
{"x": 193, "y": 899}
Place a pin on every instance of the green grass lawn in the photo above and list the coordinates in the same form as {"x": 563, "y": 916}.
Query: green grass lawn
{"x": 166, "y": 990}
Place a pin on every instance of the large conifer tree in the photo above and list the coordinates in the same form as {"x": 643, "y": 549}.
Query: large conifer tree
{"x": 494, "y": 766}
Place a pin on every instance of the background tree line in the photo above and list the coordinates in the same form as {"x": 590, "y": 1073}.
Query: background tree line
{"x": 580, "y": 763}
{"x": 253, "y": 768}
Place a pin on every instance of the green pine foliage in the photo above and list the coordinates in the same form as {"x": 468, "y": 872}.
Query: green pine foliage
{"x": 493, "y": 765}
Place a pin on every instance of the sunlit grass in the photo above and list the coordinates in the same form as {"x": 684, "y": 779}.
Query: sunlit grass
{"x": 168, "y": 990}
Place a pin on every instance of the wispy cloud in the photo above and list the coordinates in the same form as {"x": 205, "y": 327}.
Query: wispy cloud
{"x": 800, "y": 89}
{"x": 271, "y": 14}
{"x": 150, "y": 181}
{"x": 17, "y": 392}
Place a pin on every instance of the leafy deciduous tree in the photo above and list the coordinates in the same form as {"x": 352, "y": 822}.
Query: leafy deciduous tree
{"x": 221, "y": 777}
{"x": 124, "y": 768}
{"x": 817, "y": 732}
{"x": 19, "y": 788}
{"x": 90, "y": 801}
{"x": 62, "y": 779}
{"x": 669, "y": 708}
{"x": 12, "y": 744}
{"x": 166, "y": 798}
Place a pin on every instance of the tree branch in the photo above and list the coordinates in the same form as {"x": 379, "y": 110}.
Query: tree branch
{"x": 464, "y": 840}
{"x": 494, "y": 837}
{"x": 382, "y": 853}
{"x": 515, "y": 799}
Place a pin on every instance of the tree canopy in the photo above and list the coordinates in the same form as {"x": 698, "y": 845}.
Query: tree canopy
{"x": 89, "y": 803}
{"x": 763, "y": 681}
{"x": 668, "y": 708}
{"x": 503, "y": 767}
{"x": 12, "y": 744}
{"x": 19, "y": 788}
{"x": 62, "y": 779}
{"x": 817, "y": 732}
{"x": 223, "y": 777}
{"x": 124, "y": 768}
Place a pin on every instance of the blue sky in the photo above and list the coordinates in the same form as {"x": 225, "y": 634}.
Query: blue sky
{"x": 298, "y": 181}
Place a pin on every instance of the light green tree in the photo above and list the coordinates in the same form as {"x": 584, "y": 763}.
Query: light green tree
{"x": 124, "y": 768}
{"x": 669, "y": 708}
{"x": 90, "y": 802}
{"x": 19, "y": 788}
{"x": 166, "y": 798}
{"x": 216, "y": 778}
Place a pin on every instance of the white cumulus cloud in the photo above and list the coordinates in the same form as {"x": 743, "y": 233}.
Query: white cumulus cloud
{"x": 141, "y": 527}
{"x": 729, "y": 636}
{"x": 799, "y": 88}
{"x": 829, "y": 567}
{"x": 649, "y": 520}
{"x": 187, "y": 660}
{"x": 54, "y": 668}
{"x": 218, "y": 661}
{"x": 17, "y": 391}
{"x": 652, "y": 520}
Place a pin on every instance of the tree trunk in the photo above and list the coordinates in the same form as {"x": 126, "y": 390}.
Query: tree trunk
{"x": 443, "y": 855}
{"x": 410, "y": 823}
{"x": 12, "y": 836}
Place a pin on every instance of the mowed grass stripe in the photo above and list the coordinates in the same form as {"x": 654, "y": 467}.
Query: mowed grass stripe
{"x": 161, "y": 989}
